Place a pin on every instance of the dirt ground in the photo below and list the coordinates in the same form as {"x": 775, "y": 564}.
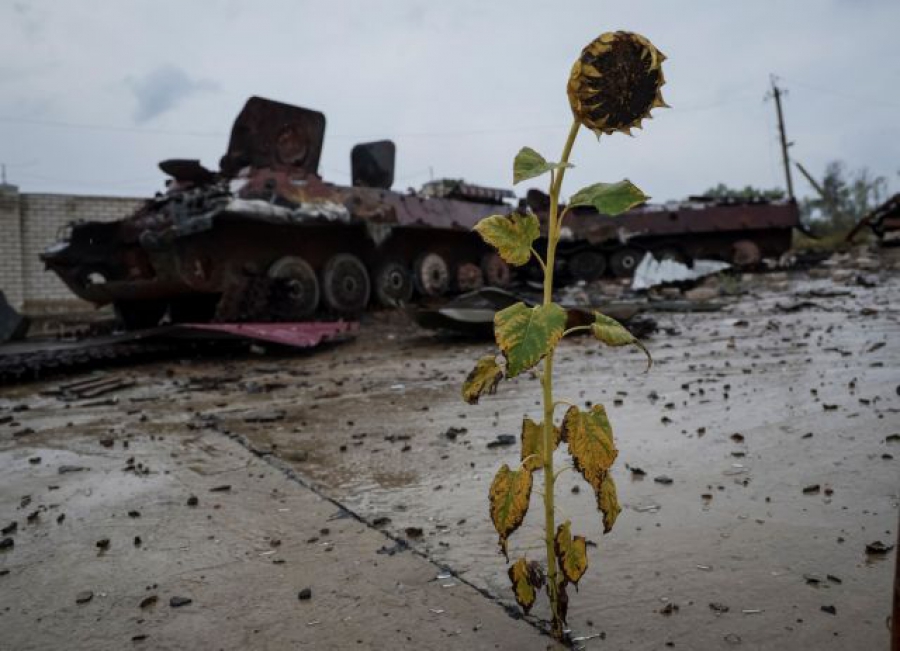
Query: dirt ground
{"x": 358, "y": 472}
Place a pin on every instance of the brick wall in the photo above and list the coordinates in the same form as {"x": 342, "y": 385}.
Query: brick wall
{"x": 29, "y": 223}
{"x": 11, "y": 281}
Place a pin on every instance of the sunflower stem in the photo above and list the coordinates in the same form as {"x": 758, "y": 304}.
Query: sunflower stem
{"x": 547, "y": 384}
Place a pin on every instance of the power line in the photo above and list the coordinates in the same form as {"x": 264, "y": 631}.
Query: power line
{"x": 837, "y": 93}
{"x": 461, "y": 133}
{"x": 99, "y": 127}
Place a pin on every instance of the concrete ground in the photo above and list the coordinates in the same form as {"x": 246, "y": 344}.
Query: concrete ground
{"x": 794, "y": 385}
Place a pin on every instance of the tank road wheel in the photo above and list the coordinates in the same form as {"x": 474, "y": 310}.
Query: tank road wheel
{"x": 496, "y": 272}
{"x": 345, "y": 284}
{"x": 135, "y": 315}
{"x": 393, "y": 284}
{"x": 469, "y": 277}
{"x": 301, "y": 288}
{"x": 587, "y": 265}
{"x": 745, "y": 253}
{"x": 624, "y": 261}
{"x": 431, "y": 274}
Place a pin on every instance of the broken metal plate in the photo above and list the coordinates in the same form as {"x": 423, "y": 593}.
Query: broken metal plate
{"x": 295, "y": 335}
{"x": 652, "y": 272}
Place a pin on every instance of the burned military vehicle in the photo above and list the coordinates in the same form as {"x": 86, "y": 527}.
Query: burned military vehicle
{"x": 741, "y": 232}
{"x": 265, "y": 239}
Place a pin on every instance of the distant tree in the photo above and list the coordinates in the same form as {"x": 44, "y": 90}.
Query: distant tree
{"x": 847, "y": 196}
{"x": 748, "y": 193}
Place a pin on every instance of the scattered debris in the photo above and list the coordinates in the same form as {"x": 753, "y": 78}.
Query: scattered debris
{"x": 502, "y": 440}
{"x": 84, "y": 597}
{"x": 878, "y": 548}
{"x": 151, "y": 600}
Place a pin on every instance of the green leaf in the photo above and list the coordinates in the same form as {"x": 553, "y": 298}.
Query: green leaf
{"x": 529, "y": 164}
{"x": 609, "y": 198}
{"x": 525, "y": 334}
{"x": 591, "y": 444}
{"x": 510, "y": 495}
{"x": 608, "y": 502}
{"x": 613, "y": 333}
{"x": 533, "y": 443}
{"x": 527, "y": 578}
{"x": 512, "y": 235}
{"x": 484, "y": 378}
{"x": 571, "y": 552}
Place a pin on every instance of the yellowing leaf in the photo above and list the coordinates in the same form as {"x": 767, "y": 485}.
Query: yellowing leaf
{"x": 592, "y": 448}
{"x": 527, "y": 578}
{"x": 484, "y": 378}
{"x": 529, "y": 164}
{"x": 609, "y": 198}
{"x": 608, "y": 502}
{"x": 510, "y": 494}
{"x": 512, "y": 235}
{"x": 613, "y": 333}
{"x": 525, "y": 334}
{"x": 571, "y": 552}
{"x": 533, "y": 443}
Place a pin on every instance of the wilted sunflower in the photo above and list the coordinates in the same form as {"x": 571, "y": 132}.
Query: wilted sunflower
{"x": 615, "y": 82}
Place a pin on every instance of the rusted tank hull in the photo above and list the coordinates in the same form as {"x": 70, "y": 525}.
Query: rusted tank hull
{"x": 742, "y": 234}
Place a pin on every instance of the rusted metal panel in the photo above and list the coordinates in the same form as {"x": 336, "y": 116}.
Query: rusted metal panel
{"x": 272, "y": 134}
{"x": 682, "y": 219}
{"x": 295, "y": 335}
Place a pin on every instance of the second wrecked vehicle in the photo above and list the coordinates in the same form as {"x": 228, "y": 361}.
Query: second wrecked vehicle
{"x": 266, "y": 239}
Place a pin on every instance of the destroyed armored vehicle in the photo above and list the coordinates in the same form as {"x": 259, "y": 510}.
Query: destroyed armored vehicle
{"x": 739, "y": 232}
{"x": 264, "y": 238}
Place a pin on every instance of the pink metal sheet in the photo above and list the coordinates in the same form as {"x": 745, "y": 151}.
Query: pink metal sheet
{"x": 298, "y": 335}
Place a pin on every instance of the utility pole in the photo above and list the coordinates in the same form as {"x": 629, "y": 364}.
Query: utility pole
{"x": 776, "y": 93}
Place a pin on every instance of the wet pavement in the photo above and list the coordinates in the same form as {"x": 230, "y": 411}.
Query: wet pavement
{"x": 795, "y": 384}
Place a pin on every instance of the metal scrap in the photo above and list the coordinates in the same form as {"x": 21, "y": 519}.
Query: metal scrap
{"x": 652, "y": 272}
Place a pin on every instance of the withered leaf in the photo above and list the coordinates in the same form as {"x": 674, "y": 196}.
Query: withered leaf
{"x": 571, "y": 552}
{"x": 563, "y": 602}
{"x": 613, "y": 333}
{"x": 608, "y": 502}
{"x": 509, "y": 496}
{"x": 527, "y": 578}
{"x": 533, "y": 443}
{"x": 484, "y": 378}
{"x": 512, "y": 235}
{"x": 526, "y": 334}
{"x": 591, "y": 443}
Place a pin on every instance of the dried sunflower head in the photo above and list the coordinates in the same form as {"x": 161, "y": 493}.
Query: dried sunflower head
{"x": 615, "y": 82}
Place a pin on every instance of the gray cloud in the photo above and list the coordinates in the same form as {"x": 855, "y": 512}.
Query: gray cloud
{"x": 460, "y": 86}
{"x": 164, "y": 88}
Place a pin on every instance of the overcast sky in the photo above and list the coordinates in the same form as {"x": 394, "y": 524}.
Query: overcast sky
{"x": 94, "y": 93}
